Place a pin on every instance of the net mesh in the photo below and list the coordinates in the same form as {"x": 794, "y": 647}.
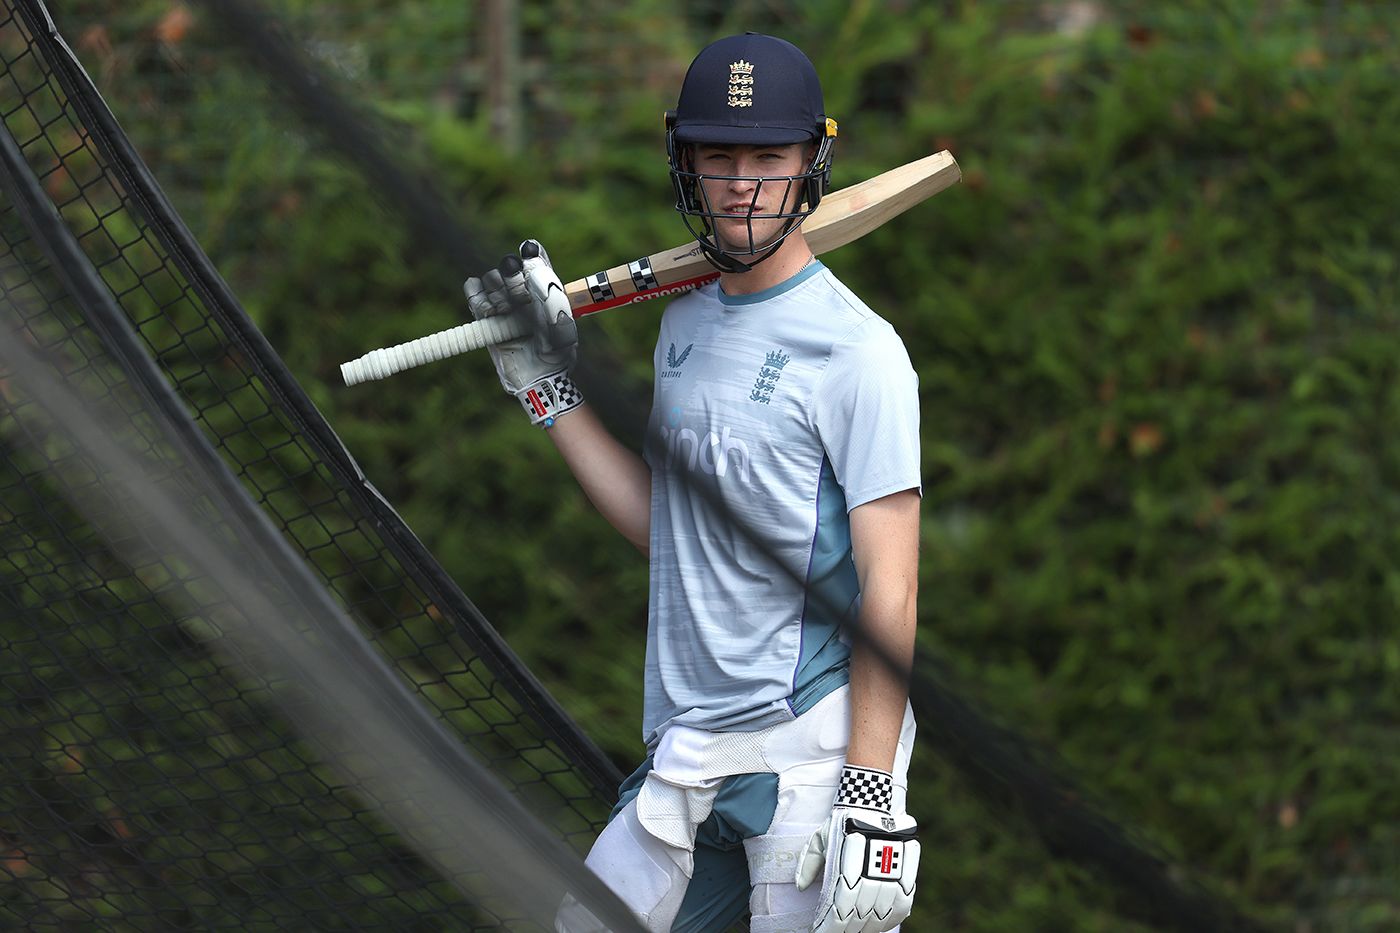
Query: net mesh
{"x": 144, "y": 781}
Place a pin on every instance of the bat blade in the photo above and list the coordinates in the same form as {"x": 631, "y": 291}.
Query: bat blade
{"x": 842, "y": 216}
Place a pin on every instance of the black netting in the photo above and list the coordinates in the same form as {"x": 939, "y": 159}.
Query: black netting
{"x": 145, "y": 782}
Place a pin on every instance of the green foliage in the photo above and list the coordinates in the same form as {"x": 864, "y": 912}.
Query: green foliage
{"x": 1156, "y": 335}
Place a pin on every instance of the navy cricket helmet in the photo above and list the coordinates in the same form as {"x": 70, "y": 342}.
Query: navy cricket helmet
{"x": 752, "y": 90}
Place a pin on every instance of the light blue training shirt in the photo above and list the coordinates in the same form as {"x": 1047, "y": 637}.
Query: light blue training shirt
{"x": 774, "y": 415}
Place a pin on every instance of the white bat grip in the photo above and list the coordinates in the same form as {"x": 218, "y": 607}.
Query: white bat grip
{"x": 380, "y": 364}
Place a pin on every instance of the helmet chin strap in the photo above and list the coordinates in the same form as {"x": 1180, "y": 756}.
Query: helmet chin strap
{"x": 725, "y": 261}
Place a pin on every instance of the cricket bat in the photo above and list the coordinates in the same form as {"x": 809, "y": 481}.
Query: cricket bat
{"x": 842, "y": 216}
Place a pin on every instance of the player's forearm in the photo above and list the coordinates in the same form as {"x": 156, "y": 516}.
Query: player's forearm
{"x": 616, "y": 480}
{"x": 881, "y": 656}
{"x": 885, "y": 544}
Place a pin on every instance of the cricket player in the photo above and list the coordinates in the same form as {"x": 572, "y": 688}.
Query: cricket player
{"x": 777, "y": 499}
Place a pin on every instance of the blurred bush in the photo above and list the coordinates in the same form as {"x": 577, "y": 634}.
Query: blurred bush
{"x": 1157, "y": 339}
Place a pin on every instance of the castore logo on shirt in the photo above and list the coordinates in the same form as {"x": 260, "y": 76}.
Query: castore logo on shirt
{"x": 674, "y": 362}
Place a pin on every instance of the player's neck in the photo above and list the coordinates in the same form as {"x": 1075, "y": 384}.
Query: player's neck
{"x": 791, "y": 258}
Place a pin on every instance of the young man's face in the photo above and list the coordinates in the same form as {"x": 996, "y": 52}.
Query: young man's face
{"x": 733, "y": 201}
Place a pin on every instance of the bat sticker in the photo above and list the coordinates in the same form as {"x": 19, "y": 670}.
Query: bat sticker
{"x": 599, "y": 287}
{"x": 642, "y": 279}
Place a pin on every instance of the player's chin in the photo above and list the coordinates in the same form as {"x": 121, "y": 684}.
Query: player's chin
{"x": 739, "y": 236}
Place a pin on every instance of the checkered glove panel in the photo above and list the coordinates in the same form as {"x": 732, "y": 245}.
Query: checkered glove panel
{"x": 868, "y": 788}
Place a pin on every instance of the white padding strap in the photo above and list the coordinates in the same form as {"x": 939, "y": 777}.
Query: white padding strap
{"x": 799, "y": 921}
{"x": 773, "y": 859}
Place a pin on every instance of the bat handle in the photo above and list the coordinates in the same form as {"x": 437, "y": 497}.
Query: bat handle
{"x": 380, "y": 364}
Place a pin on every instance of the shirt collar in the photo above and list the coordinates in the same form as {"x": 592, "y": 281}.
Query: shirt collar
{"x": 788, "y": 284}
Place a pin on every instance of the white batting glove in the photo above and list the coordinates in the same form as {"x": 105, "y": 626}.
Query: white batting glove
{"x": 866, "y": 856}
{"x": 535, "y": 369}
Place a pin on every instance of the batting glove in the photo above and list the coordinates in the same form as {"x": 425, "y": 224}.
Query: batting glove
{"x": 535, "y": 368}
{"x": 866, "y": 856}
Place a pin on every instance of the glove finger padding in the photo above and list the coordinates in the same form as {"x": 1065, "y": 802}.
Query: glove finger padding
{"x": 868, "y": 859}
{"x": 555, "y": 334}
{"x": 868, "y": 883}
{"x": 477, "y": 302}
{"x": 486, "y": 296}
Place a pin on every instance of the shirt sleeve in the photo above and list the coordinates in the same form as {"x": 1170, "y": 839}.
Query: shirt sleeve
{"x": 867, "y": 415}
